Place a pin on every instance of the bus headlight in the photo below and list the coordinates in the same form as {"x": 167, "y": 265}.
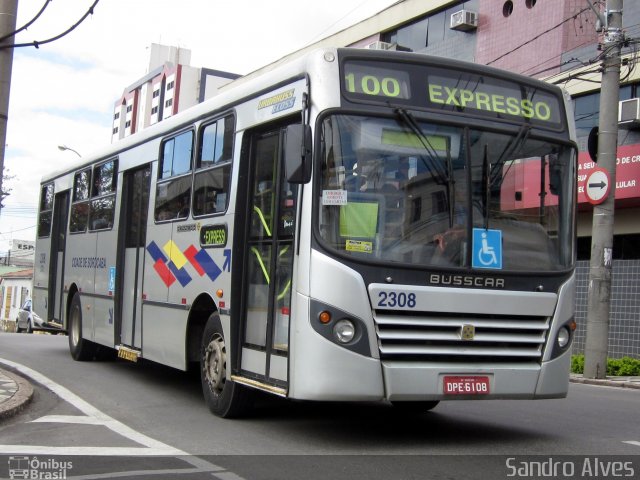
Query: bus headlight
{"x": 344, "y": 331}
{"x": 563, "y": 337}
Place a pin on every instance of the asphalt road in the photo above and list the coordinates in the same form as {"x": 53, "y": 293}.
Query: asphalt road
{"x": 141, "y": 409}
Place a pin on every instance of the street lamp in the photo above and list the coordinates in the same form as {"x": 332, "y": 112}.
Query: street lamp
{"x": 62, "y": 148}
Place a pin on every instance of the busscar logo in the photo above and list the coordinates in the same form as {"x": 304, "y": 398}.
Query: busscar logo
{"x": 442, "y": 279}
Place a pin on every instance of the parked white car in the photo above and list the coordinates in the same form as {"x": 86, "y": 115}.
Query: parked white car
{"x": 28, "y": 320}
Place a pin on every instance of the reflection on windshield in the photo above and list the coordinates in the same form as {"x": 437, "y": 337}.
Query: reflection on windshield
{"x": 398, "y": 190}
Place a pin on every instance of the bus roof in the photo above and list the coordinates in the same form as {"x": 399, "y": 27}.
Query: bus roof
{"x": 280, "y": 74}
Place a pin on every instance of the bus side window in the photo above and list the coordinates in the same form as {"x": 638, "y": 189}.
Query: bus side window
{"x": 173, "y": 193}
{"x": 103, "y": 196}
{"x": 79, "y": 217}
{"x": 213, "y": 167}
{"x": 46, "y": 211}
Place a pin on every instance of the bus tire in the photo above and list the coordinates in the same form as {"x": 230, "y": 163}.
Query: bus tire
{"x": 415, "y": 407}
{"x": 80, "y": 348}
{"x": 224, "y": 398}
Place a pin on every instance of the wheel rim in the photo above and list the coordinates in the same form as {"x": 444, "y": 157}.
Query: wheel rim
{"x": 215, "y": 364}
{"x": 75, "y": 326}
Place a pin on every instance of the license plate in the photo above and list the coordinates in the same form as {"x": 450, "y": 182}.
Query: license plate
{"x": 465, "y": 385}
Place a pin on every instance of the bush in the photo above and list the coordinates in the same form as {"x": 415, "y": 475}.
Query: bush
{"x": 624, "y": 366}
{"x": 616, "y": 367}
{"x": 577, "y": 363}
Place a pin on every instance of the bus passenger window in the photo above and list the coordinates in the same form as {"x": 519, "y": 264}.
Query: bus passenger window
{"x": 213, "y": 167}
{"x": 103, "y": 196}
{"x": 173, "y": 195}
{"x": 176, "y": 155}
{"x": 79, "y": 217}
{"x": 210, "y": 194}
{"x": 172, "y": 199}
{"x": 46, "y": 211}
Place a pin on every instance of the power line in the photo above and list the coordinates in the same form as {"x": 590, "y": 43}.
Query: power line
{"x": 573, "y": 17}
{"x": 583, "y": 44}
{"x": 19, "y": 230}
{"x": 37, "y": 43}
{"x": 319, "y": 35}
{"x": 28, "y": 24}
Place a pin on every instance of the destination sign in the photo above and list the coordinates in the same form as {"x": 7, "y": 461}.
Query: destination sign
{"x": 213, "y": 236}
{"x": 452, "y": 90}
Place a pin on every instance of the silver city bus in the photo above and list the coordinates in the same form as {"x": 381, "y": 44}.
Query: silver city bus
{"x": 352, "y": 225}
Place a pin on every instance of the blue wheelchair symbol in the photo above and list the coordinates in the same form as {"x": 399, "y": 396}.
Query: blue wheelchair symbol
{"x": 112, "y": 279}
{"x": 487, "y": 248}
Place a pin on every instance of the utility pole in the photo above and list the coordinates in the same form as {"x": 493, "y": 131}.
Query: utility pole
{"x": 601, "y": 263}
{"x": 8, "y": 14}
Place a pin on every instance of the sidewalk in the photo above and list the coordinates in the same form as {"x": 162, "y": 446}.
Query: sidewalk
{"x": 624, "y": 382}
{"x": 15, "y": 394}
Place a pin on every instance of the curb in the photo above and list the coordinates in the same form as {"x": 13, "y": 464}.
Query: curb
{"x": 19, "y": 400}
{"x": 606, "y": 382}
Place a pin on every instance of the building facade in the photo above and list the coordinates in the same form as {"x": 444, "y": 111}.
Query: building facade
{"x": 15, "y": 288}
{"x": 170, "y": 86}
{"x": 21, "y": 253}
{"x": 557, "y": 41}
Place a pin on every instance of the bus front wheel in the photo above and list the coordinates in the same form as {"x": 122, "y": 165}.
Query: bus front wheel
{"x": 80, "y": 348}
{"x": 224, "y": 398}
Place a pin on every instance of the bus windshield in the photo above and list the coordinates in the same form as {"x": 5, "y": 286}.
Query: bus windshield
{"x": 405, "y": 191}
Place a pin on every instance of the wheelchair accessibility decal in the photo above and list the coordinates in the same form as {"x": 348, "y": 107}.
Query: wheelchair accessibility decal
{"x": 487, "y": 248}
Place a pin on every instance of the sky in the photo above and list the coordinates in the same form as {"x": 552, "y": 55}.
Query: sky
{"x": 63, "y": 93}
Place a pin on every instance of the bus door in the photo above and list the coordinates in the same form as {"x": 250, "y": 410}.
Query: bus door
{"x": 268, "y": 244}
{"x": 55, "y": 301}
{"x": 130, "y": 265}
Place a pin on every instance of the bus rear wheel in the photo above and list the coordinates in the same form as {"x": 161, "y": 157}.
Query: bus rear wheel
{"x": 224, "y": 397}
{"x": 80, "y": 348}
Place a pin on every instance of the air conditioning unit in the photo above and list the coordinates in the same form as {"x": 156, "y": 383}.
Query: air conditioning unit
{"x": 381, "y": 46}
{"x": 464, "y": 20}
{"x": 629, "y": 113}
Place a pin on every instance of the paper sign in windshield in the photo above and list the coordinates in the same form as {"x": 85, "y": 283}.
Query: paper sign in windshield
{"x": 334, "y": 197}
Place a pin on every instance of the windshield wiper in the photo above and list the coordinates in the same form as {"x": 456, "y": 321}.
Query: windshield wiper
{"x": 440, "y": 176}
{"x": 432, "y": 165}
{"x": 513, "y": 147}
{"x": 486, "y": 186}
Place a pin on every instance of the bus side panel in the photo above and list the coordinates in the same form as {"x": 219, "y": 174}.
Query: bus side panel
{"x": 80, "y": 269}
{"x": 104, "y": 287}
{"x": 164, "y": 335}
{"x": 157, "y": 275}
{"x": 163, "y": 325}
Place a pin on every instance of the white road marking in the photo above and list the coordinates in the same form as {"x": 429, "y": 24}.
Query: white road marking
{"x": 633, "y": 442}
{"x": 145, "y": 473}
{"x": 93, "y": 416}
{"x": 79, "y": 419}
{"x": 93, "y": 451}
{"x": 92, "y": 412}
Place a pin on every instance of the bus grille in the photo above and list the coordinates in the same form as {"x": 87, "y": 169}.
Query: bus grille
{"x": 477, "y": 338}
